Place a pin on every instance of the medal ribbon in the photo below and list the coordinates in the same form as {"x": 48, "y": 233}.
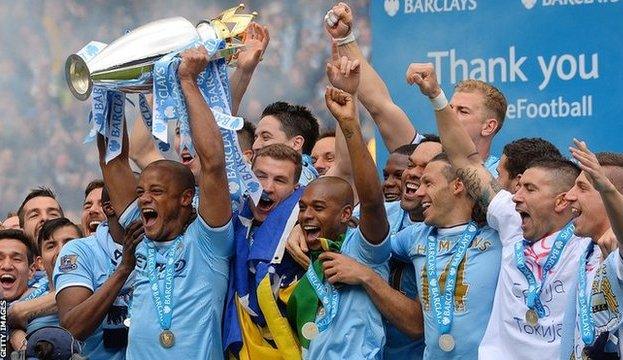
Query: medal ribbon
{"x": 328, "y": 295}
{"x": 162, "y": 300}
{"x": 444, "y": 307}
{"x": 587, "y": 325}
{"x": 304, "y": 302}
{"x": 533, "y": 299}
{"x": 37, "y": 292}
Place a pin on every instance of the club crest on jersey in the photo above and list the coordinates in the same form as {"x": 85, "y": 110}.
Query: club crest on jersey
{"x": 68, "y": 263}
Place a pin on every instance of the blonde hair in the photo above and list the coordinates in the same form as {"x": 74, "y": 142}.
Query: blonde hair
{"x": 494, "y": 101}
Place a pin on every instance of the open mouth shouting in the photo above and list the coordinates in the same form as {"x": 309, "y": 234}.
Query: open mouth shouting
{"x": 148, "y": 216}
{"x": 425, "y": 206}
{"x": 93, "y": 224}
{"x": 7, "y": 281}
{"x": 409, "y": 189}
{"x": 312, "y": 233}
{"x": 266, "y": 204}
{"x": 186, "y": 158}
{"x": 525, "y": 218}
{"x": 391, "y": 196}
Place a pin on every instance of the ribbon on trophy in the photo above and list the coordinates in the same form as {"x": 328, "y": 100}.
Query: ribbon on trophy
{"x": 107, "y": 112}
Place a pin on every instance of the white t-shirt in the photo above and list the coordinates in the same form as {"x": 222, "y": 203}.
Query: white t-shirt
{"x": 508, "y": 335}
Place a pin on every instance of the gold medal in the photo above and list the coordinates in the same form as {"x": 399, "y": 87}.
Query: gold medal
{"x": 309, "y": 330}
{"x": 531, "y": 317}
{"x": 446, "y": 342}
{"x": 167, "y": 339}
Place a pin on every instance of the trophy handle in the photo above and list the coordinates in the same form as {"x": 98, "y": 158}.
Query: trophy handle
{"x": 78, "y": 77}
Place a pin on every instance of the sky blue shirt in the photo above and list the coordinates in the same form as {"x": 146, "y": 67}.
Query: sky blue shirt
{"x": 492, "y": 165}
{"x": 606, "y": 294}
{"x": 475, "y": 287}
{"x": 41, "y": 321}
{"x": 357, "y": 331}
{"x": 89, "y": 262}
{"x": 200, "y": 286}
{"x": 308, "y": 172}
{"x": 401, "y": 277}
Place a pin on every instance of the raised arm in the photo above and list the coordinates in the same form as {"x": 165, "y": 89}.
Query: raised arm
{"x": 344, "y": 74}
{"x": 480, "y": 184}
{"x": 613, "y": 200}
{"x": 214, "y": 202}
{"x": 117, "y": 174}
{"x": 394, "y": 125}
{"x": 81, "y": 310}
{"x": 404, "y": 313}
{"x": 256, "y": 40}
{"x": 143, "y": 150}
{"x": 373, "y": 224}
{"x": 22, "y": 312}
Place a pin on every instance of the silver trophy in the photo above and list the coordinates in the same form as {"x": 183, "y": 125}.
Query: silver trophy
{"x": 126, "y": 63}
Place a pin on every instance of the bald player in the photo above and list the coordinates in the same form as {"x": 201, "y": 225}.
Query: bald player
{"x": 183, "y": 259}
{"x": 325, "y": 213}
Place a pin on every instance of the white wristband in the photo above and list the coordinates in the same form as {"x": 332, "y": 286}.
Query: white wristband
{"x": 346, "y": 40}
{"x": 439, "y": 102}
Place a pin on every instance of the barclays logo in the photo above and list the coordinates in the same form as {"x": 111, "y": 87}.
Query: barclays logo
{"x": 392, "y": 7}
{"x": 529, "y": 4}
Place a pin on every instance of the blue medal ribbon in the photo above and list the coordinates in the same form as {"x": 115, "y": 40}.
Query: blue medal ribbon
{"x": 587, "y": 325}
{"x": 444, "y": 307}
{"x": 37, "y": 292}
{"x": 533, "y": 298}
{"x": 162, "y": 300}
{"x": 328, "y": 295}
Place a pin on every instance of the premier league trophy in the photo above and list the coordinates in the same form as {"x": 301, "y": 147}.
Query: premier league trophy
{"x": 146, "y": 60}
{"x": 126, "y": 64}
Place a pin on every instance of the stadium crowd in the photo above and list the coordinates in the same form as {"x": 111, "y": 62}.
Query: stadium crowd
{"x": 456, "y": 253}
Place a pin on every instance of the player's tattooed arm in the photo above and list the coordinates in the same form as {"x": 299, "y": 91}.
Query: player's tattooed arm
{"x": 480, "y": 184}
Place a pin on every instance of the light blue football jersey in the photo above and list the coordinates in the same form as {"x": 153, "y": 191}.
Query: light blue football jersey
{"x": 606, "y": 295}
{"x": 401, "y": 277}
{"x": 199, "y": 290}
{"x": 41, "y": 321}
{"x": 492, "y": 165}
{"x": 308, "y": 172}
{"x": 475, "y": 285}
{"x": 89, "y": 262}
{"x": 357, "y": 331}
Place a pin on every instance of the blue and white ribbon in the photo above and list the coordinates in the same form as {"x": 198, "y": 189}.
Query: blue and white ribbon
{"x": 163, "y": 300}
{"x": 328, "y": 295}
{"x": 443, "y": 307}
{"x": 97, "y": 117}
{"x": 114, "y": 130}
{"x": 587, "y": 324}
{"x": 147, "y": 116}
{"x": 533, "y": 298}
{"x": 37, "y": 292}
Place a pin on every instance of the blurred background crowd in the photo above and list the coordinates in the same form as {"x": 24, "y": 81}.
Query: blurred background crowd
{"x": 42, "y": 126}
